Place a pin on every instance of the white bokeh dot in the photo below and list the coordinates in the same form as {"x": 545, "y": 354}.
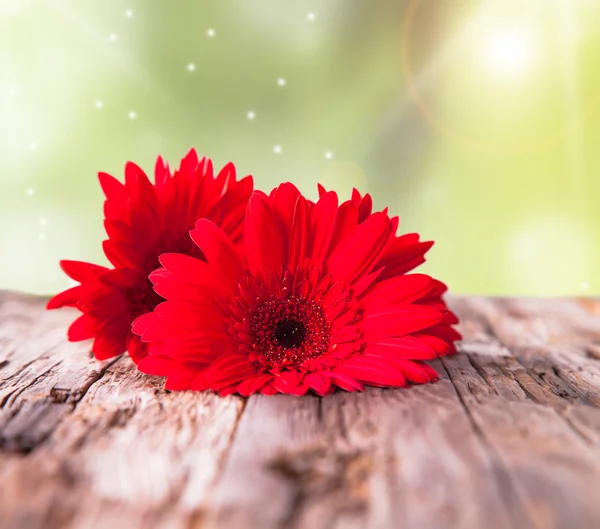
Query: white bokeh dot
{"x": 129, "y": 13}
{"x": 33, "y": 146}
{"x": 112, "y": 37}
{"x": 210, "y": 32}
{"x": 585, "y": 285}
{"x": 30, "y": 191}
{"x": 42, "y": 236}
{"x": 310, "y": 16}
{"x": 328, "y": 155}
{"x": 132, "y": 115}
{"x": 43, "y": 221}
{"x": 251, "y": 115}
{"x": 281, "y": 81}
{"x": 191, "y": 67}
{"x": 277, "y": 149}
{"x": 99, "y": 104}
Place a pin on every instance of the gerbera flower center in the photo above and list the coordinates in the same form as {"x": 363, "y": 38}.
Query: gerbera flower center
{"x": 290, "y": 333}
{"x": 287, "y": 332}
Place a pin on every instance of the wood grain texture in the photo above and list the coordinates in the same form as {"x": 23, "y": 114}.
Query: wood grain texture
{"x": 509, "y": 437}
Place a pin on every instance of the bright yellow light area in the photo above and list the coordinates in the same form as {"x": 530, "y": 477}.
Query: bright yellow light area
{"x": 509, "y": 52}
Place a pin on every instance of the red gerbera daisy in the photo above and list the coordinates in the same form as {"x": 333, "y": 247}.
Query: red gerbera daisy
{"x": 144, "y": 220}
{"x": 322, "y": 300}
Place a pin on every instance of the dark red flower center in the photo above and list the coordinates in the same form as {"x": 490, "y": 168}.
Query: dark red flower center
{"x": 290, "y": 333}
{"x": 287, "y": 332}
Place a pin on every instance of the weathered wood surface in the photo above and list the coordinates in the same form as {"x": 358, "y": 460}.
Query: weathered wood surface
{"x": 509, "y": 438}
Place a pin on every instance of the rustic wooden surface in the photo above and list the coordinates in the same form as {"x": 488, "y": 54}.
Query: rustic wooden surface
{"x": 509, "y": 438}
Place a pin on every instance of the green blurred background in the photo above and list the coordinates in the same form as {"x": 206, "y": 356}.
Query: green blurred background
{"x": 476, "y": 121}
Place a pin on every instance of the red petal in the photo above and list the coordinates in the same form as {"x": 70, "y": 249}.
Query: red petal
{"x": 122, "y": 254}
{"x": 322, "y": 224}
{"x": 343, "y": 381}
{"x": 268, "y": 389}
{"x": 446, "y": 333}
{"x": 161, "y": 172}
{"x": 300, "y": 234}
{"x": 395, "y": 291}
{"x": 80, "y": 271}
{"x": 431, "y": 373}
{"x": 83, "y": 328}
{"x": 400, "y": 352}
{"x": 111, "y": 338}
{"x": 346, "y": 221}
{"x": 266, "y": 247}
{"x": 372, "y": 372}
{"x": 180, "y": 380}
{"x": 319, "y": 383}
{"x": 403, "y": 254}
{"x": 132, "y": 171}
{"x": 228, "y": 391}
{"x": 401, "y": 321}
{"x": 229, "y": 369}
{"x": 142, "y": 323}
{"x": 285, "y": 198}
{"x": 112, "y": 188}
{"x": 104, "y": 304}
{"x": 364, "y": 208}
{"x": 123, "y": 278}
{"x": 117, "y": 229}
{"x": 189, "y": 162}
{"x": 176, "y": 290}
{"x": 413, "y": 371}
{"x": 67, "y": 298}
{"x": 287, "y": 386}
{"x": 159, "y": 275}
{"x": 252, "y": 385}
{"x": 226, "y": 176}
{"x": 197, "y": 272}
{"x": 157, "y": 365}
{"x": 357, "y": 254}
{"x": 218, "y": 249}
{"x": 136, "y": 348}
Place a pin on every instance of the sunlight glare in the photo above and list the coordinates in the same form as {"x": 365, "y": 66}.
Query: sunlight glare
{"x": 509, "y": 52}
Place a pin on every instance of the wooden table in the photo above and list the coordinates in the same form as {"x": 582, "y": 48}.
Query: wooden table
{"x": 509, "y": 438}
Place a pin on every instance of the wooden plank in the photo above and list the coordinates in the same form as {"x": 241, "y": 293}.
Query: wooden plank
{"x": 509, "y": 438}
{"x": 128, "y": 447}
{"x": 358, "y": 460}
{"x": 549, "y": 473}
{"x": 80, "y": 439}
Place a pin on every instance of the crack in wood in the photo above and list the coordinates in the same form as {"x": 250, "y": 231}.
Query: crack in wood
{"x": 11, "y": 396}
{"x": 579, "y": 385}
{"x": 57, "y": 402}
{"x": 540, "y": 394}
{"x": 482, "y": 372}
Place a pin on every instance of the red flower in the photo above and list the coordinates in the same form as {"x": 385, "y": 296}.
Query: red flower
{"x": 144, "y": 220}
{"x": 322, "y": 300}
